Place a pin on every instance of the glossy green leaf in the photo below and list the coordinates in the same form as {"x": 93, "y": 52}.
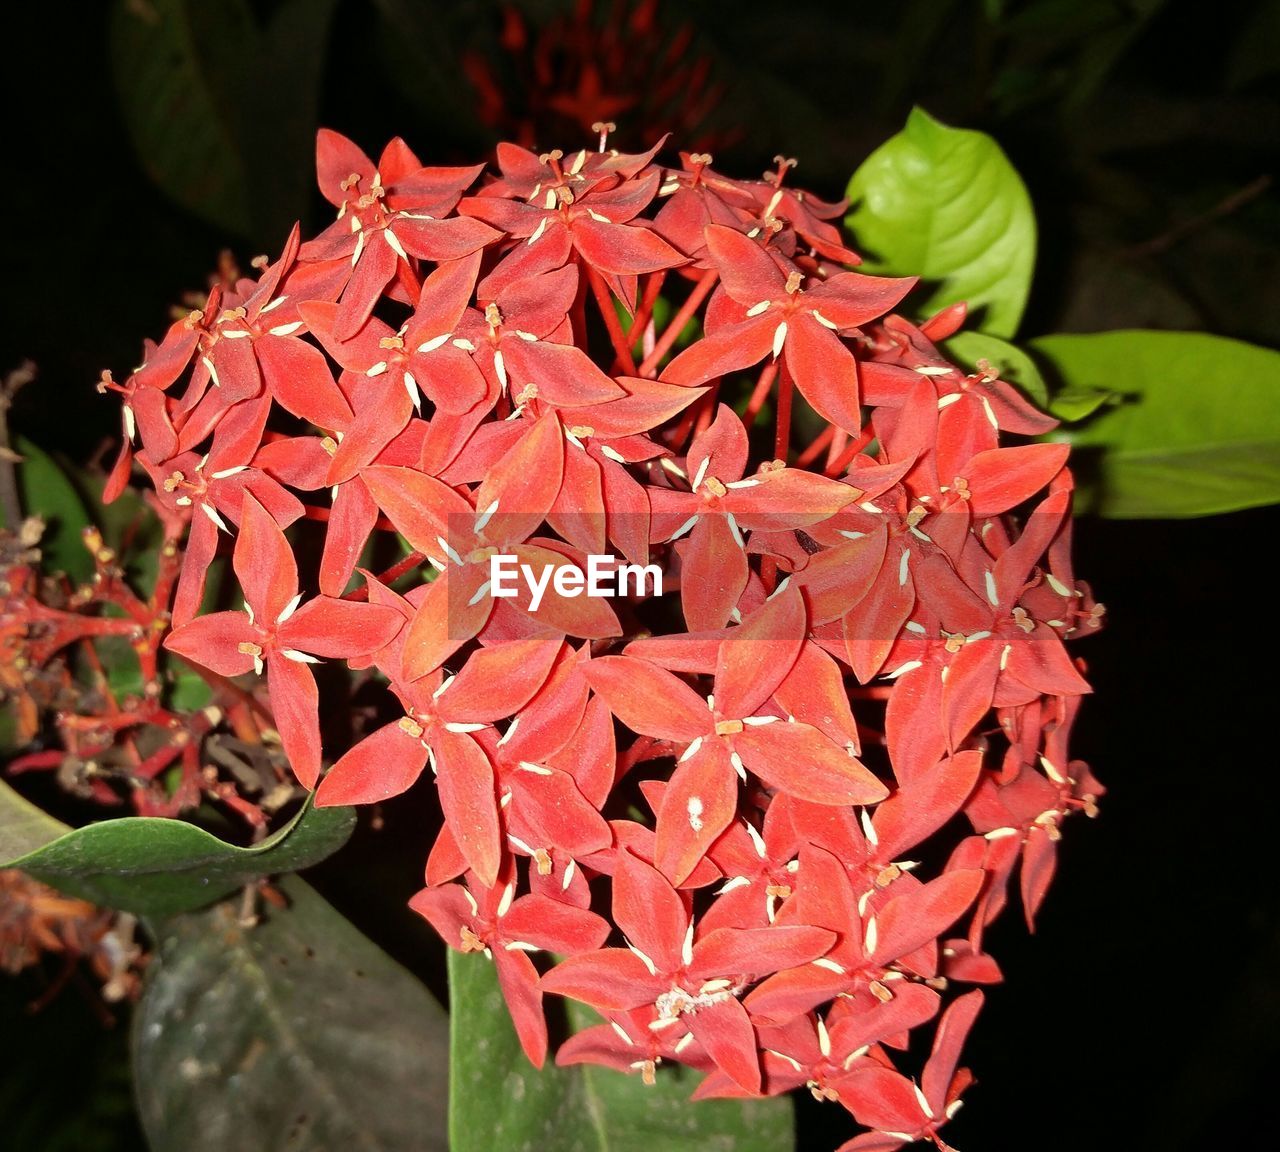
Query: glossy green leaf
{"x": 24, "y": 828}
{"x": 297, "y": 1034}
{"x": 1013, "y": 364}
{"x": 48, "y": 492}
{"x": 945, "y": 204}
{"x": 499, "y": 1100}
{"x": 1195, "y": 429}
{"x": 156, "y": 867}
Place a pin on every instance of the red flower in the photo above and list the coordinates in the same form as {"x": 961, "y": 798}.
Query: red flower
{"x": 276, "y": 635}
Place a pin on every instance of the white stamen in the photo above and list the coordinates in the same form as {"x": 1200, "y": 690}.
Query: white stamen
{"x": 299, "y": 657}
{"x": 411, "y": 386}
{"x": 779, "y": 339}
{"x": 448, "y": 550}
{"x": 289, "y": 609}
{"x": 902, "y": 669}
{"x": 210, "y": 511}
{"x": 653, "y": 971}
{"x": 286, "y": 329}
{"x": 483, "y": 519}
{"x": 692, "y": 750}
{"x": 1057, "y": 585}
{"x": 511, "y": 731}
{"x": 687, "y": 526}
{"x": 1052, "y": 772}
{"x": 434, "y": 343}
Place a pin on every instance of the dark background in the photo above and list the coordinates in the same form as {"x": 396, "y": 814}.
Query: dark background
{"x": 1145, "y": 1012}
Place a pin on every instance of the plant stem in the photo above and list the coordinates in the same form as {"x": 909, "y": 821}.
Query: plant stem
{"x": 604, "y": 301}
{"x": 782, "y": 426}
{"x": 677, "y": 323}
{"x": 760, "y": 393}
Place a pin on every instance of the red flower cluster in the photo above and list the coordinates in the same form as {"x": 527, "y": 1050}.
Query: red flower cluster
{"x": 478, "y": 363}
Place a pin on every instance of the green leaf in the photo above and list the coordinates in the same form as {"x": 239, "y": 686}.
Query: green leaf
{"x": 157, "y": 867}
{"x": 299, "y": 1033}
{"x": 180, "y": 66}
{"x": 1197, "y": 428}
{"x": 499, "y": 1100}
{"x": 1075, "y": 404}
{"x": 24, "y": 828}
{"x": 48, "y": 492}
{"x": 1013, "y": 364}
{"x": 945, "y": 204}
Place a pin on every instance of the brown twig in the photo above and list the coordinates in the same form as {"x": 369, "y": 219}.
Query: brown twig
{"x": 1225, "y": 207}
{"x": 10, "y": 503}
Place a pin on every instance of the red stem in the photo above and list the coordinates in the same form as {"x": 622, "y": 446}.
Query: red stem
{"x": 782, "y": 427}
{"x": 398, "y": 569}
{"x": 700, "y": 291}
{"x": 604, "y": 301}
{"x": 311, "y": 512}
{"x": 810, "y": 454}
{"x": 835, "y": 467}
{"x": 761, "y": 393}
{"x": 652, "y": 290}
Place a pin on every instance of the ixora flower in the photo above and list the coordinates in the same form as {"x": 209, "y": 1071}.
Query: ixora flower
{"x": 757, "y": 811}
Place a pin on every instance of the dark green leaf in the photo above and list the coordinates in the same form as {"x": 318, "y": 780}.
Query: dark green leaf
{"x": 1196, "y": 429}
{"x": 49, "y": 493}
{"x": 297, "y": 1035}
{"x": 24, "y": 827}
{"x": 945, "y": 204}
{"x": 499, "y": 1100}
{"x": 1013, "y": 364}
{"x": 179, "y": 66}
{"x": 277, "y": 118}
{"x": 156, "y": 867}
